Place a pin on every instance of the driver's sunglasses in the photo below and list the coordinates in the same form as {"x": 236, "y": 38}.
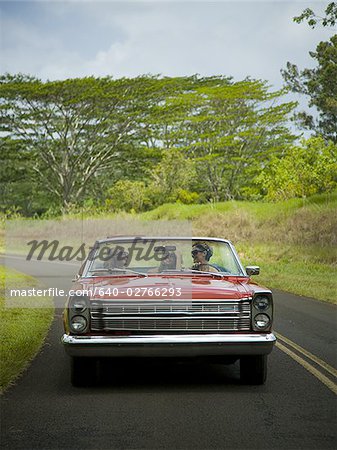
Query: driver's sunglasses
{"x": 194, "y": 252}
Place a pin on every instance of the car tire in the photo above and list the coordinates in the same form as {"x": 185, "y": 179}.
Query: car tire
{"x": 83, "y": 371}
{"x": 253, "y": 369}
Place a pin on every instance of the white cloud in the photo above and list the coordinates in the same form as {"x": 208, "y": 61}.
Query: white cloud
{"x": 68, "y": 39}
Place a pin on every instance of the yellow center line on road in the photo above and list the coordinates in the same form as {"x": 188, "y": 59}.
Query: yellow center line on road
{"x": 309, "y": 355}
{"x": 325, "y": 380}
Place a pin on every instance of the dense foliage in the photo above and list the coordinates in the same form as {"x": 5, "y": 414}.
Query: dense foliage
{"x": 304, "y": 170}
{"x": 159, "y": 139}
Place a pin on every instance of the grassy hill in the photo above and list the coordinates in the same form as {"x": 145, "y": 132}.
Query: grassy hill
{"x": 312, "y": 221}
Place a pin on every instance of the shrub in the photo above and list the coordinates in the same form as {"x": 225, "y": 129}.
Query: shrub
{"x": 126, "y": 195}
{"x": 187, "y": 197}
{"x": 303, "y": 171}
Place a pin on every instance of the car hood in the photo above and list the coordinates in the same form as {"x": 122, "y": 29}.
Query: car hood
{"x": 198, "y": 287}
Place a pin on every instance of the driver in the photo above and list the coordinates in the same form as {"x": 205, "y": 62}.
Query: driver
{"x": 201, "y": 254}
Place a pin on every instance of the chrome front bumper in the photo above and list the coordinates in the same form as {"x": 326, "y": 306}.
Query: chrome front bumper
{"x": 169, "y": 345}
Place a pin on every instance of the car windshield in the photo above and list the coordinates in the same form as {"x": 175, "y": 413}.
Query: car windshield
{"x": 146, "y": 256}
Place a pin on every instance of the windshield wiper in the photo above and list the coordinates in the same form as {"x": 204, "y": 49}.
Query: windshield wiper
{"x": 112, "y": 270}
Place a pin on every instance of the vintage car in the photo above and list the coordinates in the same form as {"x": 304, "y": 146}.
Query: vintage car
{"x": 167, "y": 297}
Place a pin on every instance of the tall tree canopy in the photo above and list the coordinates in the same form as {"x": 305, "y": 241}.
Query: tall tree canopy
{"x": 231, "y": 132}
{"x": 75, "y": 129}
{"x": 76, "y": 138}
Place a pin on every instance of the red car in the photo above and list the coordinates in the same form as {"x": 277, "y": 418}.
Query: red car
{"x": 167, "y": 297}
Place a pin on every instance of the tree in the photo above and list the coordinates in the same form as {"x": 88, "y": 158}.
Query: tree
{"x": 319, "y": 83}
{"x": 81, "y": 136}
{"x": 230, "y": 130}
{"x": 75, "y": 129}
{"x": 303, "y": 171}
{"x": 174, "y": 172}
{"x": 19, "y": 190}
{"x": 312, "y": 19}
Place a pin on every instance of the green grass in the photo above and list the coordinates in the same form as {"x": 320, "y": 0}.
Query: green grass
{"x": 22, "y": 330}
{"x": 295, "y": 269}
{"x": 258, "y": 210}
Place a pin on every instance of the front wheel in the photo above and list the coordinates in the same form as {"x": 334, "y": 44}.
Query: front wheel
{"x": 83, "y": 371}
{"x": 253, "y": 369}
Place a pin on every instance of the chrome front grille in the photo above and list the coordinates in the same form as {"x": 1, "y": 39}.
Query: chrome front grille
{"x": 173, "y": 315}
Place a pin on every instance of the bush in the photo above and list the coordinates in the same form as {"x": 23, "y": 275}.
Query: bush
{"x": 126, "y": 195}
{"x": 187, "y": 197}
{"x": 303, "y": 171}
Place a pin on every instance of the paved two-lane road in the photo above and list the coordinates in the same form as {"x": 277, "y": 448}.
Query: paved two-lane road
{"x": 178, "y": 406}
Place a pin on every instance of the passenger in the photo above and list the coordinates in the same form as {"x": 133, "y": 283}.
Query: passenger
{"x": 117, "y": 260}
{"x": 201, "y": 254}
{"x": 168, "y": 262}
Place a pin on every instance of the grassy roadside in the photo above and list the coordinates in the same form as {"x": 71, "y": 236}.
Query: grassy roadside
{"x": 22, "y": 329}
{"x": 292, "y": 269}
{"x": 294, "y": 242}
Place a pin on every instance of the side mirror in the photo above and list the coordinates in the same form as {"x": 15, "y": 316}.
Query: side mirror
{"x": 252, "y": 270}
{"x": 76, "y": 277}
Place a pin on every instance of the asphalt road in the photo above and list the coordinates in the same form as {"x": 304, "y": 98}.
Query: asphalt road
{"x": 179, "y": 406}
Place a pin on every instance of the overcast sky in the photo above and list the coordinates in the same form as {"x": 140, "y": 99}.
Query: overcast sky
{"x": 62, "y": 39}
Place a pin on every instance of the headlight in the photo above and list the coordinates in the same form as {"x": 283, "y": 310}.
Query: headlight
{"x": 79, "y": 304}
{"x": 261, "y": 321}
{"x": 78, "y": 323}
{"x": 261, "y": 303}
{"x": 79, "y": 314}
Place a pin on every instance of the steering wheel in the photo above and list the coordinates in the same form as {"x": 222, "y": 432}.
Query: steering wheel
{"x": 207, "y": 264}
{"x": 215, "y": 267}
